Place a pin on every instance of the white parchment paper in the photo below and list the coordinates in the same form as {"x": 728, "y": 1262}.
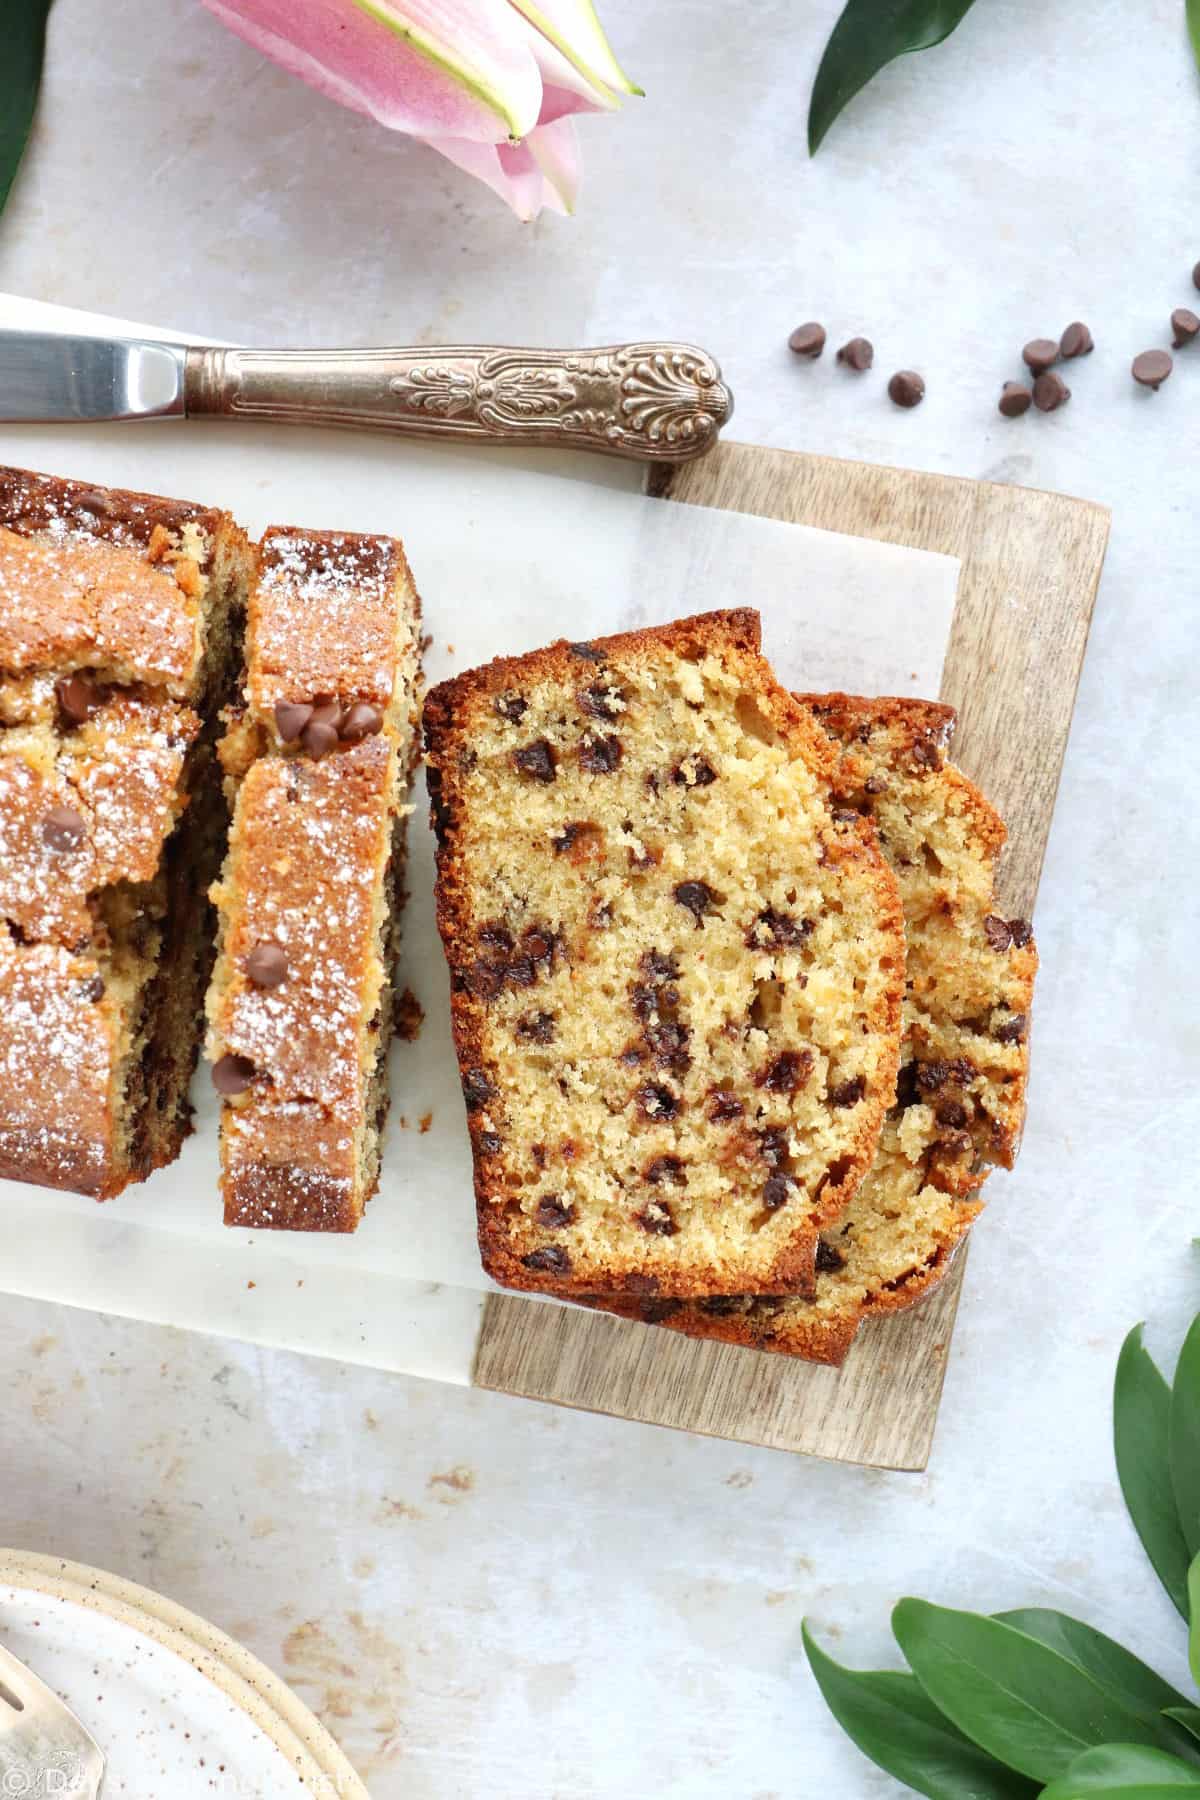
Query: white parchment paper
{"x": 509, "y": 552}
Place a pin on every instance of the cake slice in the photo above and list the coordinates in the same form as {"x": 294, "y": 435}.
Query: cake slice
{"x": 964, "y": 1052}
{"x": 120, "y": 622}
{"x": 319, "y": 763}
{"x": 676, "y": 972}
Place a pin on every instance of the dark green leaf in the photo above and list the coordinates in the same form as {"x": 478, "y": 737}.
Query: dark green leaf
{"x": 1193, "y": 20}
{"x": 1183, "y": 1437}
{"x": 24, "y": 42}
{"x": 1194, "y": 1627}
{"x": 1124, "y": 1772}
{"x": 1107, "y": 1662}
{"x": 1187, "y": 1716}
{"x": 894, "y": 1723}
{"x": 1013, "y": 1696}
{"x": 1141, "y": 1426}
{"x": 869, "y": 35}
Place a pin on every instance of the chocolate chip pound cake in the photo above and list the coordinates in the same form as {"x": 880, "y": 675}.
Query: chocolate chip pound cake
{"x": 120, "y": 620}
{"x": 676, "y": 971}
{"x": 964, "y": 1056}
{"x": 319, "y": 762}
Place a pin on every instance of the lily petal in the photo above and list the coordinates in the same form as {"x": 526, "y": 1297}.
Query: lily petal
{"x": 429, "y": 67}
{"x": 510, "y": 170}
{"x": 555, "y": 148}
{"x": 574, "y": 28}
{"x": 575, "y": 92}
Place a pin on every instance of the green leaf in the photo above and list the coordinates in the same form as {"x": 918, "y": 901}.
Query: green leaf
{"x": 1187, "y": 1716}
{"x": 1194, "y": 1627}
{"x": 894, "y": 1723}
{"x": 1183, "y": 1437}
{"x": 1116, "y": 1669}
{"x": 1124, "y": 1772}
{"x": 1141, "y": 1430}
{"x": 869, "y": 35}
{"x": 1013, "y": 1696}
{"x": 24, "y": 32}
{"x": 1193, "y": 24}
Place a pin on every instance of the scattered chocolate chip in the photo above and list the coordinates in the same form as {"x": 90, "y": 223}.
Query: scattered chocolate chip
{"x": 477, "y": 1089}
{"x": 512, "y": 707}
{"x": 92, "y": 988}
{"x": 1015, "y": 399}
{"x": 291, "y": 716}
{"x": 1185, "y": 325}
{"x": 777, "y": 1191}
{"x": 641, "y": 1284}
{"x": 658, "y": 1102}
{"x": 906, "y": 388}
{"x": 588, "y": 652}
{"x": 807, "y": 340}
{"x": 1021, "y": 931}
{"x": 661, "y": 967}
{"x": 490, "y": 1143}
{"x": 657, "y": 1219}
{"x": 553, "y": 1214}
{"x": 1152, "y": 367}
{"x": 536, "y": 1028}
{"x": 667, "y": 1041}
{"x": 845, "y": 815}
{"x": 997, "y": 932}
{"x": 318, "y": 738}
{"x": 78, "y": 697}
{"x": 601, "y": 702}
{"x": 773, "y": 1146}
{"x": 496, "y": 935}
{"x": 858, "y": 354}
{"x": 1012, "y": 1031}
{"x": 361, "y": 721}
{"x": 694, "y": 772}
{"x": 778, "y": 930}
{"x": 600, "y": 915}
{"x": 536, "y": 759}
{"x": 933, "y": 1076}
{"x": 787, "y": 1072}
{"x": 698, "y": 898}
{"x": 926, "y": 755}
{"x": 553, "y": 1260}
{"x": 829, "y": 1260}
{"x": 1076, "y": 340}
{"x": 232, "y": 1074}
{"x": 665, "y": 1168}
{"x": 1039, "y": 354}
{"x": 267, "y": 966}
{"x": 848, "y": 1093}
{"x": 600, "y": 755}
{"x": 1050, "y": 392}
{"x": 719, "y": 1306}
{"x": 952, "y": 1113}
{"x": 724, "y": 1105}
{"x": 63, "y": 829}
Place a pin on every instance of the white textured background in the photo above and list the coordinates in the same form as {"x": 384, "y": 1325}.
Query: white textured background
{"x": 492, "y": 1600}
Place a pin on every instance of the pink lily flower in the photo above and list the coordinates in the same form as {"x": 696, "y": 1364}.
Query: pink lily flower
{"x": 491, "y": 84}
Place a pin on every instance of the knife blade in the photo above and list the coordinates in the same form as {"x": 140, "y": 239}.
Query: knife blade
{"x": 653, "y": 402}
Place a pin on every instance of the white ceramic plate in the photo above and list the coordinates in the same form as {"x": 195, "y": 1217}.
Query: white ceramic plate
{"x": 177, "y": 1707}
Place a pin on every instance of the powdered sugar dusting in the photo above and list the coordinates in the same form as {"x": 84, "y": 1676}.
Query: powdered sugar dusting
{"x": 324, "y": 618}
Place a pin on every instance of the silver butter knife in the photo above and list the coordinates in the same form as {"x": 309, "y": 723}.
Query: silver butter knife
{"x": 661, "y": 402}
{"x": 43, "y": 1747}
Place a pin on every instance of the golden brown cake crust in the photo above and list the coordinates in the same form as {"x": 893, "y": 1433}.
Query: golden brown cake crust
{"x": 964, "y": 1051}
{"x": 528, "y": 1237}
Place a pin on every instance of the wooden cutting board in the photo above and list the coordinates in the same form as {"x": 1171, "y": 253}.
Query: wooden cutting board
{"x": 1031, "y": 564}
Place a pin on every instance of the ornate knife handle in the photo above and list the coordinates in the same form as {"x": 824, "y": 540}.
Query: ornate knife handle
{"x": 652, "y": 402}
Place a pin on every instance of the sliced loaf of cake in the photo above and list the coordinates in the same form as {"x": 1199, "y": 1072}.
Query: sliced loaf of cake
{"x": 120, "y": 621}
{"x": 676, "y": 971}
{"x": 319, "y": 762}
{"x": 964, "y": 1054}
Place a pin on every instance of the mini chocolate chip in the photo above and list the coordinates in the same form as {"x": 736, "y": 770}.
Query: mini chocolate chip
{"x": 92, "y": 988}
{"x": 1076, "y": 340}
{"x": 952, "y": 1113}
{"x": 848, "y": 1093}
{"x": 661, "y": 967}
{"x": 361, "y": 721}
{"x": 773, "y": 1146}
{"x": 665, "y": 1168}
{"x": 553, "y": 1214}
{"x": 807, "y": 340}
{"x": 875, "y": 784}
{"x": 658, "y": 1102}
{"x": 787, "y": 1072}
{"x": 600, "y": 755}
{"x": 778, "y": 929}
{"x": 601, "y": 702}
{"x": 1021, "y": 931}
{"x": 267, "y": 966}
{"x": 477, "y": 1089}
{"x": 777, "y": 1191}
{"x": 1039, "y": 354}
{"x": 536, "y": 1028}
{"x": 719, "y": 1306}
{"x": 63, "y": 829}
{"x": 490, "y": 1143}
{"x": 858, "y": 354}
{"x": 1015, "y": 399}
{"x": 78, "y": 697}
{"x": 291, "y": 716}
{"x": 925, "y": 754}
{"x": 698, "y": 898}
{"x": 724, "y": 1105}
{"x": 906, "y": 388}
{"x": 600, "y": 915}
{"x": 553, "y": 1260}
{"x": 588, "y": 652}
{"x": 1185, "y": 325}
{"x": 694, "y": 772}
{"x": 657, "y": 1219}
{"x": 997, "y": 932}
{"x": 232, "y": 1074}
{"x": 1050, "y": 392}
{"x": 536, "y": 759}
{"x": 1152, "y": 367}
{"x": 496, "y": 935}
{"x": 318, "y": 739}
{"x": 829, "y": 1260}
{"x": 512, "y": 707}
{"x": 1012, "y": 1031}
